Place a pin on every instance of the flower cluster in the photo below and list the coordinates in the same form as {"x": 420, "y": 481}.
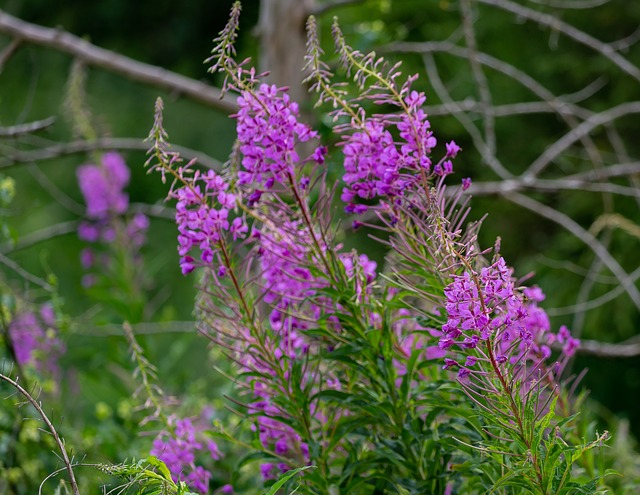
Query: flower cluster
{"x": 288, "y": 282}
{"x": 268, "y": 133}
{"x": 486, "y": 307}
{"x": 202, "y": 215}
{"x": 376, "y": 166}
{"x": 178, "y": 450}
{"x": 292, "y": 291}
{"x": 35, "y": 341}
{"x": 102, "y": 188}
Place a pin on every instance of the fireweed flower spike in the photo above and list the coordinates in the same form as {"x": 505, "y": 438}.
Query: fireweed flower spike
{"x": 35, "y": 340}
{"x": 178, "y": 449}
{"x": 102, "y": 188}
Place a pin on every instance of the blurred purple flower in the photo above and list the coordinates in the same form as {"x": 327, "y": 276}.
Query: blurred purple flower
{"x": 178, "y": 450}
{"x": 35, "y": 341}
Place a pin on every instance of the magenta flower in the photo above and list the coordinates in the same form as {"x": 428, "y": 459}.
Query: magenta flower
{"x": 35, "y": 341}
{"x": 378, "y": 166}
{"x": 268, "y": 132}
{"x": 487, "y": 307}
{"x": 178, "y": 450}
{"x": 102, "y": 186}
{"x": 202, "y": 215}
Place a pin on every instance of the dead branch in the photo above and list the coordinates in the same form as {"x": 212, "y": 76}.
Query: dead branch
{"x": 570, "y": 31}
{"x": 626, "y": 349}
{"x": 63, "y": 41}
{"x": 28, "y": 128}
{"x": 12, "y": 158}
{"x": 585, "y": 236}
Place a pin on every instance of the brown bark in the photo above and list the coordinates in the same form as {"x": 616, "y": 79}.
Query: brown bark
{"x": 281, "y": 28}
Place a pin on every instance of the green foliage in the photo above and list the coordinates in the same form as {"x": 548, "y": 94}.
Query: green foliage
{"x": 148, "y": 476}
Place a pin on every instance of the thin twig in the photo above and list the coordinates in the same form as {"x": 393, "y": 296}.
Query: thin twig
{"x": 567, "y": 111}
{"x": 570, "y": 31}
{"x": 487, "y": 155}
{"x": 13, "y": 158}
{"x": 478, "y": 75}
{"x": 8, "y": 52}
{"x": 596, "y": 120}
{"x": 45, "y": 234}
{"x": 331, "y": 5}
{"x": 626, "y": 349}
{"x": 52, "y": 429}
{"x": 24, "y": 273}
{"x": 549, "y": 185}
{"x": 28, "y": 128}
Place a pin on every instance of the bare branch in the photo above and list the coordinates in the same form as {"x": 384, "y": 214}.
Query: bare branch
{"x": 568, "y": 30}
{"x": 8, "y": 52}
{"x": 106, "y": 59}
{"x": 593, "y": 303}
{"x": 586, "y": 237}
{"x": 24, "y": 273}
{"x": 559, "y": 104}
{"x": 42, "y": 235}
{"x": 626, "y": 349}
{"x": 550, "y": 185}
{"x": 565, "y": 110}
{"x": 478, "y": 75}
{"x": 578, "y": 133}
{"x": 617, "y": 170}
{"x": 12, "y": 158}
{"x": 571, "y": 4}
{"x": 333, "y": 4}
{"x": 28, "y": 128}
{"x": 487, "y": 155}
{"x": 54, "y": 191}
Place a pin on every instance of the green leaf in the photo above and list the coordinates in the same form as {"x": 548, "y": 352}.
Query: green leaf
{"x": 160, "y": 466}
{"x": 284, "y": 478}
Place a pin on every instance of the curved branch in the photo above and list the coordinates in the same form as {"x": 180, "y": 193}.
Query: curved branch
{"x": 56, "y": 230}
{"x": 568, "y": 30}
{"x": 106, "y": 59}
{"x": 36, "y": 404}
{"x": 626, "y": 349}
{"x": 550, "y": 185}
{"x": 567, "y": 111}
{"x": 585, "y": 236}
{"x": 478, "y": 140}
{"x": 578, "y": 133}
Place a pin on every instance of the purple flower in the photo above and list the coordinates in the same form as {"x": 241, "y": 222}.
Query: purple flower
{"x": 266, "y": 470}
{"x": 268, "y": 132}
{"x": 88, "y": 232}
{"x": 86, "y": 258}
{"x": 202, "y": 216}
{"x": 378, "y": 166}
{"x": 35, "y": 341}
{"x": 178, "y": 450}
{"x": 102, "y": 186}
{"x": 452, "y": 149}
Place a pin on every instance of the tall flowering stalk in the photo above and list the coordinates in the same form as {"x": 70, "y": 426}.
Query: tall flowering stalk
{"x": 395, "y": 383}
{"x": 112, "y": 257}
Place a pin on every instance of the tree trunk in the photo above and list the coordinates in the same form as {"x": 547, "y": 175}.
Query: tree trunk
{"x": 281, "y": 28}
